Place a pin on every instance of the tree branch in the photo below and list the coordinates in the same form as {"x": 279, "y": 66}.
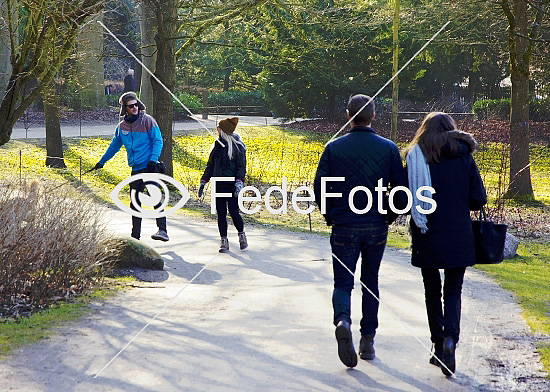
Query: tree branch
{"x": 240, "y": 8}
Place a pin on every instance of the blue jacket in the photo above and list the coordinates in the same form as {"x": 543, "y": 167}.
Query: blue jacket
{"x": 142, "y": 140}
{"x": 362, "y": 157}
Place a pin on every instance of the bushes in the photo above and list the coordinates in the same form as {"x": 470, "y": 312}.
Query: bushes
{"x": 539, "y": 109}
{"x": 189, "y": 100}
{"x": 487, "y": 108}
{"x": 236, "y": 98}
{"x": 48, "y": 245}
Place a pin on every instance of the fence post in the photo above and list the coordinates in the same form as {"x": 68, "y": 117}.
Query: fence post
{"x": 20, "y": 167}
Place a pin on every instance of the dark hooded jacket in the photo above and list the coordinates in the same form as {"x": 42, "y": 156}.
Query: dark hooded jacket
{"x": 219, "y": 165}
{"x": 449, "y": 241}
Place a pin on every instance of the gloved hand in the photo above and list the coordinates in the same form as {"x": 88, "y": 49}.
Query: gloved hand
{"x": 152, "y": 167}
{"x": 97, "y": 166}
{"x": 239, "y": 185}
{"x": 201, "y": 188}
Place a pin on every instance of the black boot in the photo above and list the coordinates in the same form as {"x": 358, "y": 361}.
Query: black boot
{"x": 366, "y": 347}
{"x": 437, "y": 351}
{"x": 346, "y": 351}
{"x": 449, "y": 347}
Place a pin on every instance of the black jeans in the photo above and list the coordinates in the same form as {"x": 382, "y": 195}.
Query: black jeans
{"x": 369, "y": 241}
{"x": 443, "y": 320}
{"x": 139, "y": 186}
{"x": 222, "y": 204}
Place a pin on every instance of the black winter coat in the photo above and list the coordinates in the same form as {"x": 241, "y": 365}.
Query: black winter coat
{"x": 219, "y": 165}
{"x": 449, "y": 241}
{"x": 362, "y": 157}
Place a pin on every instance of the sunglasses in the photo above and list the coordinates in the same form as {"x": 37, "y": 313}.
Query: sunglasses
{"x": 132, "y": 105}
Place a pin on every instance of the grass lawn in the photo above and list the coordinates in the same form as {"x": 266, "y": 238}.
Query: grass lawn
{"x": 274, "y": 152}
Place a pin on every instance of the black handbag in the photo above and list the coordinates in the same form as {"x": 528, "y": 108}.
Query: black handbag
{"x": 489, "y": 239}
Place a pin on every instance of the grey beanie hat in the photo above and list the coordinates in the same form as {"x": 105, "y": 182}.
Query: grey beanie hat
{"x": 130, "y": 95}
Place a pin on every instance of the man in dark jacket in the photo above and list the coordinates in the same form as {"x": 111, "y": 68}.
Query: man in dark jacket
{"x": 362, "y": 164}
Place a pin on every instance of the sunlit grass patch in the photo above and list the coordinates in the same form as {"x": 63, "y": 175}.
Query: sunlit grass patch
{"x": 528, "y": 277}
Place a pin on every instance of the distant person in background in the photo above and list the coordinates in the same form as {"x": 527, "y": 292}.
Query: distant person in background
{"x": 129, "y": 84}
{"x": 440, "y": 156}
{"x": 140, "y": 135}
{"x": 109, "y": 89}
{"x": 228, "y": 160}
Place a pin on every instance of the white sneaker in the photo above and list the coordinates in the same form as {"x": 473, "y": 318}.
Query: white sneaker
{"x": 160, "y": 235}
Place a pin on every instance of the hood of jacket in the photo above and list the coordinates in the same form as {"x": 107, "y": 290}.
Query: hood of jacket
{"x": 465, "y": 144}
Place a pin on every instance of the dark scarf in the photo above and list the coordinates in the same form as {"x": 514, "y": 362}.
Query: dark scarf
{"x": 131, "y": 119}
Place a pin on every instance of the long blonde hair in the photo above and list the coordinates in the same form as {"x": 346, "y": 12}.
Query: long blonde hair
{"x": 232, "y": 142}
{"x": 432, "y": 135}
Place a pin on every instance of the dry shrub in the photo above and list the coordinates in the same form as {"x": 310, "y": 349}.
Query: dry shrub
{"x": 48, "y": 245}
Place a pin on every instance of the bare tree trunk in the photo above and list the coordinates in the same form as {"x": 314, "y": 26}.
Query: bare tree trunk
{"x": 226, "y": 64}
{"x": 54, "y": 143}
{"x": 395, "y": 68}
{"x": 5, "y": 65}
{"x": 520, "y": 53}
{"x": 473, "y": 81}
{"x": 147, "y": 24}
{"x": 165, "y": 70}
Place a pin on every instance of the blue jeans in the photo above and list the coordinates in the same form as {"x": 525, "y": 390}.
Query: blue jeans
{"x": 444, "y": 320}
{"x": 369, "y": 241}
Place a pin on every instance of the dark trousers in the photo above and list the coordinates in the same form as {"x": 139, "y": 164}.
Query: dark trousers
{"x": 443, "y": 320}
{"x": 222, "y": 205}
{"x": 139, "y": 187}
{"x": 369, "y": 241}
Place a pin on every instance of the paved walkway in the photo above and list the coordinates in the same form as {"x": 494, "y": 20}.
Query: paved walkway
{"x": 88, "y": 129}
{"x": 260, "y": 320}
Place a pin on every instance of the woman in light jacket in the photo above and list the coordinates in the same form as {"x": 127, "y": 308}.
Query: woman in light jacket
{"x": 440, "y": 156}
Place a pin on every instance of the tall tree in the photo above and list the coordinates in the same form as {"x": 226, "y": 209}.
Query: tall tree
{"x": 47, "y": 31}
{"x": 395, "y": 68}
{"x": 5, "y": 66}
{"x": 193, "y": 20}
{"x": 54, "y": 143}
{"x": 166, "y": 15}
{"x": 522, "y": 34}
{"x": 148, "y": 30}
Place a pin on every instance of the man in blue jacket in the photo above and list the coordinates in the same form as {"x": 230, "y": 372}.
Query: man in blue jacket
{"x": 350, "y": 186}
{"x": 140, "y": 135}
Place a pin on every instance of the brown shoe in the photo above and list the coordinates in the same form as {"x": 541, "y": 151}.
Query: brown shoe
{"x": 243, "y": 243}
{"x": 224, "y": 245}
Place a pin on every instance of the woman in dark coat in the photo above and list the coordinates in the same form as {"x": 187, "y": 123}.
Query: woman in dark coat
{"x": 227, "y": 159}
{"x": 440, "y": 156}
